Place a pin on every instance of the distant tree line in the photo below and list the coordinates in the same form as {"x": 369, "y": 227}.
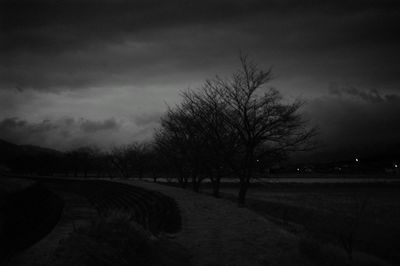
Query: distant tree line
{"x": 228, "y": 128}
{"x": 123, "y": 161}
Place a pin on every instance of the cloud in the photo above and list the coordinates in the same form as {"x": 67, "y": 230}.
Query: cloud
{"x": 147, "y": 119}
{"x": 62, "y": 133}
{"x": 93, "y": 126}
{"x": 14, "y": 123}
{"x": 23, "y": 132}
{"x": 373, "y": 96}
{"x": 65, "y": 45}
{"x": 63, "y": 60}
{"x": 355, "y": 122}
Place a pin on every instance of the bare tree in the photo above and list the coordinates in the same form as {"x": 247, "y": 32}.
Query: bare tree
{"x": 233, "y": 123}
{"x": 218, "y": 142}
{"x": 82, "y": 159}
{"x": 170, "y": 148}
{"x": 119, "y": 159}
{"x": 132, "y": 159}
{"x": 263, "y": 123}
{"x": 180, "y": 133}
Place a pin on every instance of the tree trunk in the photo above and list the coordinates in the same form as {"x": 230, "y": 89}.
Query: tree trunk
{"x": 246, "y": 175}
{"x": 195, "y": 184}
{"x": 244, "y": 184}
{"x": 181, "y": 179}
{"x": 154, "y": 176}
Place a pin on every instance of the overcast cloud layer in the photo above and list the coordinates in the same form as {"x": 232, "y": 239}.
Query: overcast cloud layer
{"x": 109, "y": 68}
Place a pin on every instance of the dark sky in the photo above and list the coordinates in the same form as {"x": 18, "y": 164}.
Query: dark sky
{"x": 101, "y": 72}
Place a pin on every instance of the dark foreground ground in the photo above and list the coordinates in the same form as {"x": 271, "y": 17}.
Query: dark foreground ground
{"x": 353, "y": 217}
{"x": 102, "y": 223}
{"x": 308, "y": 220}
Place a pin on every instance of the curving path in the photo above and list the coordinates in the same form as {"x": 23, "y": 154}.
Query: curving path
{"x": 217, "y": 232}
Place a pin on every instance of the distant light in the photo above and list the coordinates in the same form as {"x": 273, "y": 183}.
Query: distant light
{"x": 356, "y": 159}
{"x": 395, "y": 166}
{"x": 298, "y": 169}
{"x": 258, "y": 160}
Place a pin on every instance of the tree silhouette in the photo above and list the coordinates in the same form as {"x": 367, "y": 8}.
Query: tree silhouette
{"x": 264, "y": 124}
{"x": 233, "y": 123}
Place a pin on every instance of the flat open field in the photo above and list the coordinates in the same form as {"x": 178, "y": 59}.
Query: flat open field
{"x": 334, "y": 213}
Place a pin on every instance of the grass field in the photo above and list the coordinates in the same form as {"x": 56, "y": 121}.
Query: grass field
{"x": 365, "y": 216}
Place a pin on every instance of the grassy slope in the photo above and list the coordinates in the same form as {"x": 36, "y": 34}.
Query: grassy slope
{"x": 117, "y": 240}
{"x": 110, "y": 239}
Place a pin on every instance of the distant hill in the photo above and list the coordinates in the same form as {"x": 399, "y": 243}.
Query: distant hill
{"x": 10, "y": 150}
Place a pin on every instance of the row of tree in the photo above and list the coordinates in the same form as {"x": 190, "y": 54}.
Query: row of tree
{"x": 127, "y": 161}
{"x": 230, "y": 127}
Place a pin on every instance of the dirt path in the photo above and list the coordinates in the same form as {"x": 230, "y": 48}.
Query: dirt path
{"x": 217, "y": 232}
{"x": 214, "y": 231}
{"x": 77, "y": 211}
